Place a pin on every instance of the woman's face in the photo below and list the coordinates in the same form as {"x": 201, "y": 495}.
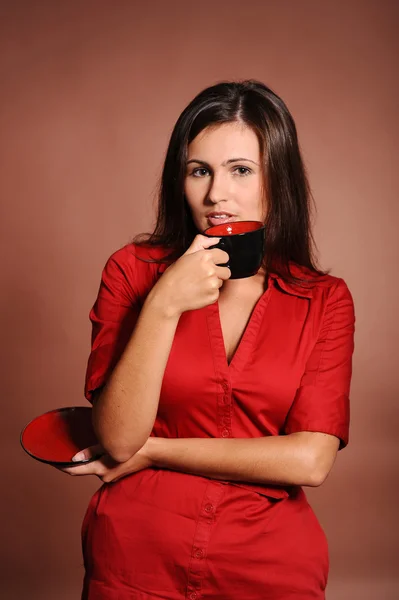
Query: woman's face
{"x": 224, "y": 179}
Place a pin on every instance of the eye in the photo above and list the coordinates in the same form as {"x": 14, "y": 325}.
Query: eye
{"x": 242, "y": 171}
{"x": 200, "y": 172}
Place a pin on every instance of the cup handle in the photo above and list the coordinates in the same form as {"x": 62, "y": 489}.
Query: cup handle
{"x": 222, "y": 244}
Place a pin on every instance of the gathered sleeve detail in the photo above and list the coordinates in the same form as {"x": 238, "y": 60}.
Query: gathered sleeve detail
{"x": 113, "y": 317}
{"x": 321, "y": 402}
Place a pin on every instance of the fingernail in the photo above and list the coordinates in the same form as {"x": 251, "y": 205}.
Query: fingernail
{"x": 78, "y": 456}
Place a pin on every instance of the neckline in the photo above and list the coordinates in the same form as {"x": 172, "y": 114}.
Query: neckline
{"x": 247, "y": 340}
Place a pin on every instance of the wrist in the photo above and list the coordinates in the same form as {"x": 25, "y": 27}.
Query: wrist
{"x": 159, "y": 303}
{"x": 154, "y": 450}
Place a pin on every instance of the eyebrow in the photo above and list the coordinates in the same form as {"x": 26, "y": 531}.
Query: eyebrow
{"x": 227, "y": 162}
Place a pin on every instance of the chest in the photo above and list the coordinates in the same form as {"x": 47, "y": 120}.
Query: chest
{"x": 235, "y": 314}
{"x": 236, "y": 360}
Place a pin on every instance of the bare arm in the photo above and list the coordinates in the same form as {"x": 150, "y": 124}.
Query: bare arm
{"x": 125, "y": 410}
{"x": 303, "y": 458}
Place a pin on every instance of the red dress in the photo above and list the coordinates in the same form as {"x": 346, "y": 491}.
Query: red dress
{"x": 165, "y": 535}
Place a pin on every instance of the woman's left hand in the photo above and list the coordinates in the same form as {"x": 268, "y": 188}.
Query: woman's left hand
{"x": 105, "y": 467}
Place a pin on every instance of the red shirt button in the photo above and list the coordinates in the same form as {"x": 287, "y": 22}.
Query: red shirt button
{"x": 225, "y": 433}
{"x": 209, "y": 508}
{"x": 193, "y": 596}
{"x": 198, "y": 553}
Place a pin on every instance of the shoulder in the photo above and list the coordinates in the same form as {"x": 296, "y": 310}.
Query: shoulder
{"x": 320, "y": 283}
{"x": 137, "y": 257}
{"x": 325, "y": 292}
{"x": 331, "y": 297}
{"x": 331, "y": 302}
{"x": 134, "y": 268}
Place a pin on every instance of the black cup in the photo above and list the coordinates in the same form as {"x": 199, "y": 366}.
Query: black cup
{"x": 244, "y": 243}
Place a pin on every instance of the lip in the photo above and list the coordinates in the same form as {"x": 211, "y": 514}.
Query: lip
{"x": 219, "y": 218}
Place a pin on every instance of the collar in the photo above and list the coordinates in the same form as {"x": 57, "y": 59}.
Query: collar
{"x": 292, "y": 288}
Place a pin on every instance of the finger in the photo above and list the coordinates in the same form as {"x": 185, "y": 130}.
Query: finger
{"x": 88, "y": 453}
{"x": 89, "y": 469}
{"x": 201, "y": 242}
{"x": 219, "y": 256}
{"x": 223, "y": 273}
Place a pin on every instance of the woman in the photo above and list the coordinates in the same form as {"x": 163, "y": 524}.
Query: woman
{"x": 216, "y": 400}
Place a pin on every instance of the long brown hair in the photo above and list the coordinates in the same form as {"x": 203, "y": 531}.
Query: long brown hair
{"x": 287, "y": 226}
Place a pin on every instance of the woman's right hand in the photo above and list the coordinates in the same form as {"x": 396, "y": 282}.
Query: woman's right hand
{"x": 194, "y": 280}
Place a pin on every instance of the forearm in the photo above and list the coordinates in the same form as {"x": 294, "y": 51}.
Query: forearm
{"x": 125, "y": 411}
{"x": 296, "y": 459}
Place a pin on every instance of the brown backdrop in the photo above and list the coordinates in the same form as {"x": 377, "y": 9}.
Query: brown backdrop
{"x": 89, "y": 93}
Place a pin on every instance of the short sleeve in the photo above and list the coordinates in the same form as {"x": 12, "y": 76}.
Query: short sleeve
{"x": 322, "y": 400}
{"x": 113, "y": 317}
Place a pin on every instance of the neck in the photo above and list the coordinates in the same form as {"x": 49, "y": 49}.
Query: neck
{"x": 237, "y": 286}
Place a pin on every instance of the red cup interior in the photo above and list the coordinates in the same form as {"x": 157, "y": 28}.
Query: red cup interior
{"x": 235, "y": 228}
{"x": 56, "y": 436}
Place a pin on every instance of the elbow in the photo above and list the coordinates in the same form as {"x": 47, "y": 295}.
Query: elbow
{"x": 116, "y": 441}
{"x": 316, "y": 472}
{"x": 314, "y": 457}
{"x": 316, "y": 478}
{"x": 119, "y": 455}
{"x": 120, "y": 452}
{"x": 118, "y": 449}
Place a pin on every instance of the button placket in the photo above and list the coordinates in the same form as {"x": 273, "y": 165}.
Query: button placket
{"x": 209, "y": 508}
{"x": 205, "y": 521}
{"x": 224, "y": 410}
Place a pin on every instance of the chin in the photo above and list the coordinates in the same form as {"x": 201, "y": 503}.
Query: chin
{"x": 201, "y": 228}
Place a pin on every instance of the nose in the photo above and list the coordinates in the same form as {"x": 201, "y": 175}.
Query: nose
{"x": 218, "y": 189}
